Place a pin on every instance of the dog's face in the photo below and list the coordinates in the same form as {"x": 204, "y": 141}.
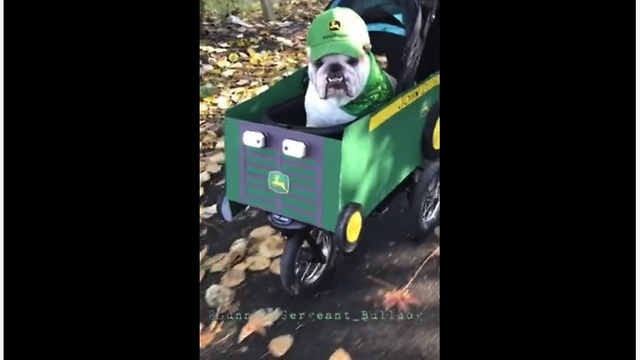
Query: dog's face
{"x": 339, "y": 76}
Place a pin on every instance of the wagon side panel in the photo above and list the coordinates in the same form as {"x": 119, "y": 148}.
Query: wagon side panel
{"x": 380, "y": 151}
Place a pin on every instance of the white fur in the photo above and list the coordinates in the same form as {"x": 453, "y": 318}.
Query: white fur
{"x": 326, "y": 112}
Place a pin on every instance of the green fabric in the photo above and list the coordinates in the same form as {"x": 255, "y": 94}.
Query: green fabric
{"x": 377, "y": 91}
{"x": 337, "y": 31}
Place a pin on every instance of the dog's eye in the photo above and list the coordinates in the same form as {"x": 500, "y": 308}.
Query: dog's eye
{"x": 352, "y": 61}
{"x": 317, "y": 63}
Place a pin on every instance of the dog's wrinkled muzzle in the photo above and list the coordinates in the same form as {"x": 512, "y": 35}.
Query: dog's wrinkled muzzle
{"x": 337, "y": 82}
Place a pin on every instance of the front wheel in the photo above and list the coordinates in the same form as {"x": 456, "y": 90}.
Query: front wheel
{"x": 306, "y": 261}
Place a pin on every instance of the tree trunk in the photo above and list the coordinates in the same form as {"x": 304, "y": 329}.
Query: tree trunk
{"x": 201, "y": 15}
{"x": 267, "y": 10}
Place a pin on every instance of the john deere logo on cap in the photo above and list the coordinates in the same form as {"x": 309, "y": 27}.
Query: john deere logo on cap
{"x": 278, "y": 182}
{"x": 334, "y": 25}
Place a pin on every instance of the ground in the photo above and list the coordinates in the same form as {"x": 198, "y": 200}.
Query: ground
{"x": 241, "y": 61}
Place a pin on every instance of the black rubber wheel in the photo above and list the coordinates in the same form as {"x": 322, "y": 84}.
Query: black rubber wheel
{"x": 296, "y": 256}
{"x": 425, "y": 198}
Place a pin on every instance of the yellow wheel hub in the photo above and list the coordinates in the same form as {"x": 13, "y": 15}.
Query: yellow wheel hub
{"x": 436, "y": 135}
{"x": 353, "y": 227}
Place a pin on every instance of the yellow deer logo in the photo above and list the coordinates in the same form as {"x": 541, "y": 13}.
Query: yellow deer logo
{"x": 278, "y": 182}
{"x": 334, "y": 25}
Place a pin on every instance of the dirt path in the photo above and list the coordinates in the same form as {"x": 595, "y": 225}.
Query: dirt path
{"x": 363, "y": 329}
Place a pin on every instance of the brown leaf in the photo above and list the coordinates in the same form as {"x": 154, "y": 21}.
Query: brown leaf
{"x": 202, "y": 273}
{"x": 232, "y": 278}
{"x": 280, "y": 345}
{"x": 340, "y": 354}
{"x": 262, "y": 232}
{"x": 209, "y": 333}
{"x": 218, "y": 262}
{"x": 258, "y": 322}
{"x": 206, "y": 337}
{"x": 203, "y": 252}
{"x": 258, "y": 263}
{"x": 275, "y": 266}
{"x": 400, "y": 299}
{"x": 272, "y": 247}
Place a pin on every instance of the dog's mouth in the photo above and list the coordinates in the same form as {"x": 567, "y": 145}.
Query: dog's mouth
{"x": 337, "y": 84}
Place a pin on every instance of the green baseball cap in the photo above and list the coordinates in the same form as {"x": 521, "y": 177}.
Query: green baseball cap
{"x": 337, "y": 31}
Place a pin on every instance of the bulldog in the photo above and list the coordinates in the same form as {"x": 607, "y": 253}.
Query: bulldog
{"x": 345, "y": 80}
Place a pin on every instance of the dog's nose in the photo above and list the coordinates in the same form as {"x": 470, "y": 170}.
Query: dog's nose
{"x": 335, "y": 71}
{"x": 335, "y": 67}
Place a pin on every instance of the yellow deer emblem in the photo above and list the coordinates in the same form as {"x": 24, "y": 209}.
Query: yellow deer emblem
{"x": 334, "y": 25}
{"x": 278, "y": 182}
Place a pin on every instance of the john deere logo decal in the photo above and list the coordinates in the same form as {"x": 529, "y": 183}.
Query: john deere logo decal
{"x": 278, "y": 182}
{"x": 334, "y": 25}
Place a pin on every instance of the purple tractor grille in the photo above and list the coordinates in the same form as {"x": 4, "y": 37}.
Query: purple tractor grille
{"x": 299, "y": 192}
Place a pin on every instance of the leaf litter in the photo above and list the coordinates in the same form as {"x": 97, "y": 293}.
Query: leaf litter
{"x": 258, "y": 322}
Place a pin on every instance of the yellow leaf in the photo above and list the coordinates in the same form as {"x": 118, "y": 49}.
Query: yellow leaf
{"x": 251, "y": 52}
{"x": 340, "y": 354}
{"x": 280, "y": 345}
{"x": 233, "y": 57}
{"x": 228, "y": 73}
{"x": 223, "y": 102}
{"x": 222, "y": 63}
{"x": 210, "y": 99}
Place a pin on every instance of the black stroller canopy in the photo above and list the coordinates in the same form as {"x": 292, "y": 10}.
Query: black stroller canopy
{"x": 396, "y": 17}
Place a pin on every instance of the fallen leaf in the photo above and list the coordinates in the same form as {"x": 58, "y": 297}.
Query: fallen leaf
{"x": 217, "y": 157}
{"x": 400, "y": 299}
{"x": 241, "y": 266}
{"x": 203, "y": 252}
{"x": 271, "y": 247}
{"x": 202, "y": 274}
{"x": 340, "y": 354}
{"x": 209, "y": 211}
{"x": 275, "y": 266}
{"x": 204, "y": 177}
{"x": 213, "y": 168}
{"x": 232, "y": 278}
{"x": 201, "y": 326}
{"x": 206, "y": 337}
{"x": 279, "y": 346}
{"x": 262, "y": 232}
{"x": 209, "y": 333}
{"x": 258, "y": 263}
{"x": 228, "y": 73}
{"x": 239, "y": 246}
{"x": 201, "y": 191}
{"x": 218, "y": 296}
{"x": 220, "y": 144}
{"x": 258, "y": 322}
{"x": 233, "y": 57}
{"x": 218, "y": 262}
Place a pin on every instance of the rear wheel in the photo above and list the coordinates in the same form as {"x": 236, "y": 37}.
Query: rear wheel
{"x": 306, "y": 261}
{"x": 425, "y": 198}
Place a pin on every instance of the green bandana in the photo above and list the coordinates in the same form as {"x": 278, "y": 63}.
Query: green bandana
{"x": 377, "y": 91}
